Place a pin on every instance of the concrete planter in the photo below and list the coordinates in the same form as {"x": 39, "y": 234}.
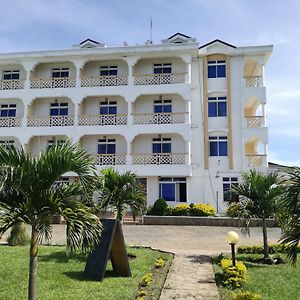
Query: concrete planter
{"x": 202, "y": 221}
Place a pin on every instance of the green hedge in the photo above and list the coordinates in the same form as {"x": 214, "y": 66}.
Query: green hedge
{"x": 273, "y": 248}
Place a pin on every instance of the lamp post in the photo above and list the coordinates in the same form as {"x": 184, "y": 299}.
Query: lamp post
{"x": 232, "y": 238}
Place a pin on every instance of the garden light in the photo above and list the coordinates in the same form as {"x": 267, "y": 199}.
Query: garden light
{"x": 232, "y": 238}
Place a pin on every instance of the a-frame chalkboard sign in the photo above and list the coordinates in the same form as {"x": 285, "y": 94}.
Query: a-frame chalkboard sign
{"x": 111, "y": 246}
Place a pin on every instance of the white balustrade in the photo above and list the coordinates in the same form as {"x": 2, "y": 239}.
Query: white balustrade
{"x": 104, "y": 81}
{"x": 52, "y": 83}
{"x": 92, "y": 120}
{"x": 255, "y": 121}
{"x": 109, "y": 159}
{"x": 11, "y": 84}
{"x": 149, "y": 79}
{"x": 159, "y": 159}
{"x": 50, "y": 121}
{"x": 254, "y": 81}
{"x": 10, "y": 122}
{"x": 160, "y": 118}
{"x": 257, "y": 160}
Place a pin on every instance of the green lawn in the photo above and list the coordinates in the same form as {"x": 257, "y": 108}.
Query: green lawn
{"x": 276, "y": 282}
{"x": 62, "y": 278}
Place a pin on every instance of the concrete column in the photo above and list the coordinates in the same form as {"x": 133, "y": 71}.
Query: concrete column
{"x": 129, "y": 114}
{"x": 78, "y": 65}
{"x": 28, "y": 66}
{"x": 131, "y": 61}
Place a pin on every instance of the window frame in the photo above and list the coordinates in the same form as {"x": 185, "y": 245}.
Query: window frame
{"x": 60, "y": 71}
{"x": 174, "y": 181}
{"x": 107, "y": 142}
{"x": 215, "y": 142}
{"x": 163, "y": 144}
{"x": 8, "y": 108}
{"x": 60, "y": 107}
{"x": 109, "y": 105}
{"x": 162, "y": 68}
{"x": 110, "y": 70}
{"x": 164, "y": 104}
{"x": 7, "y": 143}
{"x": 11, "y": 74}
{"x": 217, "y": 101}
{"x": 216, "y": 68}
{"x": 228, "y": 195}
{"x": 54, "y": 141}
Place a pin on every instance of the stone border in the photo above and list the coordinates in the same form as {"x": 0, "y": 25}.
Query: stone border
{"x": 202, "y": 221}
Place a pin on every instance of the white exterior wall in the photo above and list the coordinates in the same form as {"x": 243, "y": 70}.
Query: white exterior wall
{"x": 92, "y": 69}
{"x": 44, "y": 70}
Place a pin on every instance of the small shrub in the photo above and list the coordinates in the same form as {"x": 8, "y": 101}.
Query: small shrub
{"x": 159, "y": 207}
{"x": 18, "y": 236}
{"x": 147, "y": 279}
{"x": 202, "y": 209}
{"x": 273, "y": 249}
{"x": 179, "y": 210}
{"x": 159, "y": 263}
{"x": 246, "y": 296}
{"x": 233, "y": 210}
{"x": 141, "y": 295}
{"x": 233, "y": 276}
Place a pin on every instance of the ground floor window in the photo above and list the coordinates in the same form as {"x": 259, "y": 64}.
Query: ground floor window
{"x": 172, "y": 189}
{"x": 228, "y": 195}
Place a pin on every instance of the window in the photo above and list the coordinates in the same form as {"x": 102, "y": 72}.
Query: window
{"x": 52, "y": 142}
{"x": 162, "y": 106}
{"x": 59, "y": 109}
{"x": 217, "y": 107}
{"x": 173, "y": 189}
{"x": 108, "y": 108}
{"x": 162, "y": 68}
{"x": 11, "y": 75}
{"x": 218, "y": 146}
{"x": 161, "y": 145}
{"x": 228, "y": 183}
{"x": 109, "y": 71}
{"x": 61, "y": 181}
{"x": 216, "y": 68}
{"x": 8, "y": 110}
{"x": 7, "y": 143}
{"x": 143, "y": 182}
{"x": 60, "y": 72}
{"x": 106, "y": 146}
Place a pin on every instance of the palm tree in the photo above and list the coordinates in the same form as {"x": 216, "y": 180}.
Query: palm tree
{"x": 259, "y": 194}
{"x": 291, "y": 203}
{"x": 120, "y": 191}
{"x": 28, "y": 194}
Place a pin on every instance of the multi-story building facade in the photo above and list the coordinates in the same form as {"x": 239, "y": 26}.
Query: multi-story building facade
{"x": 187, "y": 119}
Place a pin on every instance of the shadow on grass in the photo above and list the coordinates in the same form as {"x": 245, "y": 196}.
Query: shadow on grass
{"x": 63, "y": 257}
{"x": 79, "y": 275}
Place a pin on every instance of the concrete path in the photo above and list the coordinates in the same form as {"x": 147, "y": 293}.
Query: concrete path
{"x": 191, "y": 275}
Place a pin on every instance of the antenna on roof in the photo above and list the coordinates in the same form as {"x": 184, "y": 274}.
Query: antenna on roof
{"x": 151, "y": 30}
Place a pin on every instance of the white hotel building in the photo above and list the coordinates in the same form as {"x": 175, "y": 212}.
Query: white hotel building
{"x": 187, "y": 119}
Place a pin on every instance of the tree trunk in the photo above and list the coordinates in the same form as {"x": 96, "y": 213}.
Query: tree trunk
{"x": 33, "y": 264}
{"x": 265, "y": 239}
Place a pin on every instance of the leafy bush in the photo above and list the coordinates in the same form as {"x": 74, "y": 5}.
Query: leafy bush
{"x": 273, "y": 248}
{"x": 233, "y": 210}
{"x": 179, "y": 210}
{"x": 18, "y": 236}
{"x": 202, "y": 209}
{"x": 159, "y": 263}
{"x": 141, "y": 295}
{"x": 159, "y": 207}
{"x": 147, "y": 279}
{"x": 246, "y": 296}
{"x": 233, "y": 276}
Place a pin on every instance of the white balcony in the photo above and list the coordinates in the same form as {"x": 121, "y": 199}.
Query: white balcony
{"x": 254, "y": 81}
{"x": 157, "y": 79}
{"x": 159, "y": 159}
{"x": 11, "y": 84}
{"x": 104, "y": 81}
{"x": 10, "y": 122}
{"x": 257, "y": 160}
{"x": 109, "y": 159}
{"x": 160, "y": 118}
{"x": 52, "y": 83}
{"x": 50, "y": 121}
{"x": 102, "y": 120}
{"x": 256, "y": 121}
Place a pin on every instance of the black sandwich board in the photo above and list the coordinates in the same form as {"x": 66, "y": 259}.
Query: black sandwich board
{"x": 111, "y": 246}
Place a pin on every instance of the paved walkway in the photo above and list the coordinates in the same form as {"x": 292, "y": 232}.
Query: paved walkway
{"x": 191, "y": 275}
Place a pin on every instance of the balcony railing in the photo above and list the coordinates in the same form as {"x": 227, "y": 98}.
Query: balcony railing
{"x": 254, "y": 81}
{"x": 160, "y": 118}
{"x": 149, "y": 79}
{"x": 52, "y": 83}
{"x": 159, "y": 159}
{"x": 255, "y": 121}
{"x": 11, "y": 84}
{"x": 104, "y": 81}
{"x": 50, "y": 121}
{"x": 257, "y": 160}
{"x": 10, "y": 122}
{"x": 109, "y": 159}
{"x": 93, "y": 120}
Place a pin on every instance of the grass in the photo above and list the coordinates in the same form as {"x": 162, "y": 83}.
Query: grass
{"x": 60, "y": 277}
{"x": 272, "y": 282}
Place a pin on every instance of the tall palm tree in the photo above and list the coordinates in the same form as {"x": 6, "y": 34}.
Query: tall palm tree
{"x": 291, "y": 203}
{"x": 28, "y": 194}
{"x": 259, "y": 194}
{"x": 120, "y": 191}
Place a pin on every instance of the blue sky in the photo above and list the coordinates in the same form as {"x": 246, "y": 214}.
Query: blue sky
{"x": 59, "y": 24}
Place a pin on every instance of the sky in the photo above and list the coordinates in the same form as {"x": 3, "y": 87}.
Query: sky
{"x": 59, "y": 24}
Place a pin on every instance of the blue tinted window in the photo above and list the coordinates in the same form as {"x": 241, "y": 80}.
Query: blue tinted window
{"x": 4, "y": 113}
{"x": 113, "y": 110}
{"x": 168, "y": 108}
{"x": 54, "y": 111}
{"x": 212, "y": 109}
{"x": 212, "y": 72}
{"x": 222, "y": 110}
{"x": 64, "y": 111}
{"x": 156, "y": 148}
{"x": 158, "y": 108}
{"x": 12, "y": 113}
{"x": 103, "y": 110}
{"x": 223, "y": 148}
{"x": 111, "y": 148}
{"x": 101, "y": 148}
{"x": 166, "y": 148}
{"x": 167, "y": 191}
{"x": 221, "y": 71}
{"x": 167, "y": 70}
{"x": 213, "y": 148}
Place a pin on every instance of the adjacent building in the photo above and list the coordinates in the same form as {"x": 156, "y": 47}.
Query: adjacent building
{"x": 187, "y": 118}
